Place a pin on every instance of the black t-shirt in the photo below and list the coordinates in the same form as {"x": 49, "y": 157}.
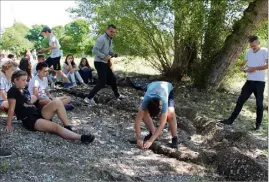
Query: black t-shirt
{"x": 23, "y": 106}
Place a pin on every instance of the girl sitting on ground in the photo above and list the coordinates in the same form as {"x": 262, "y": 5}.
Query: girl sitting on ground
{"x": 26, "y": 65}
{"x": 5, "y": 82}
{"x": 85, "y": 70}
{"x": 20, "y": 101}
{"x": 71, "y": 70}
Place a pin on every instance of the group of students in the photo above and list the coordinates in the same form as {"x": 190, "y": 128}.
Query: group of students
{"x": 36, "y": 107}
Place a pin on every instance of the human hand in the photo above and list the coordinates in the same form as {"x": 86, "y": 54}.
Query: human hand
{"x": 107, "y": 58}
{"x": 140, "y": 143}
{"x": 251, "y": 69}
{"x": 147, "y": 144}
{"x": 9, "y": 128}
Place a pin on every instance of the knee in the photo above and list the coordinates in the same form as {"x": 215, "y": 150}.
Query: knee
{"x": 68, "y": 98}
{"x": 55, "y": 127}
{"x": 57, "y": 102}
{"x": 171, "y": 113}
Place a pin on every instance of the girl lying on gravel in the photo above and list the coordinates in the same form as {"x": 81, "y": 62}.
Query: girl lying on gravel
{"x": 22, "y": 103}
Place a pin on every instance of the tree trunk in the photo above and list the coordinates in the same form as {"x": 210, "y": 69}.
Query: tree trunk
{"x": 235, "y": 43}
{"x": 185, "y": 49}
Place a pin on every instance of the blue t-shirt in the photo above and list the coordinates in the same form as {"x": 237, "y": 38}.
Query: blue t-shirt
{"x": 159, "y": 90}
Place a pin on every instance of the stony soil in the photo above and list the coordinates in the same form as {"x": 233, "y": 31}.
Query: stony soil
{"x": 208, "y": 150}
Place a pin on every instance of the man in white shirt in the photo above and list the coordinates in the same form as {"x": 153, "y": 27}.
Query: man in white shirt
{"x": 38, "y": 86}
{"x": 257, "y": 62}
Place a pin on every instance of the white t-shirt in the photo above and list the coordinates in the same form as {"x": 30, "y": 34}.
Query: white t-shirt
{"x": 34, "y": 72}
{"x": 255, "y": 59}
{"x": 40, "y": 84}
{"x": 54, "y": 52}
{"x": 4, "y": 84}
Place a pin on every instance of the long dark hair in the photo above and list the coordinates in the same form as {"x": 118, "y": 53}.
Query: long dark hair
{"x": 24, "y": 66}
{"x": 87, "y": 63}
{"x": 73, "y": 61}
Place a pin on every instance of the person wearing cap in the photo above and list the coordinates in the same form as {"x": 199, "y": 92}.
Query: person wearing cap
{"x": 55, "y": 55}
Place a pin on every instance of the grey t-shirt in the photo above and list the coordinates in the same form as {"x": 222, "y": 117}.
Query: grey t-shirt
{"x": 54, "y": 52}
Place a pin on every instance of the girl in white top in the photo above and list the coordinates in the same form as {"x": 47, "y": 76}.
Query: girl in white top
{"x": 5, "y": 81}
{"x": 71, "y": 70}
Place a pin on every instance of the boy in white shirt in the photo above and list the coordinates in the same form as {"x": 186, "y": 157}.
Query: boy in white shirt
{"x": 38, "y": 86}
{"x": 40, "y": 59}
{"x": 257, "y": 62}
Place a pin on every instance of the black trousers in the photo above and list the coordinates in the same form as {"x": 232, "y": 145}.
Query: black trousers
{"x": 105, "y": 76}
{"x": 256, "y": 87}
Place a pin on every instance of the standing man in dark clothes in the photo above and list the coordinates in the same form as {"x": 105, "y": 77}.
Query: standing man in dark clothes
{"x": 103, "y": 53}
{"x": 257, "y": 62}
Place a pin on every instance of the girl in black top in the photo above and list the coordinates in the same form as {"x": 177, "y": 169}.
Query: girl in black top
{"x": 85, "y": 70}
{"x": 21, "y": 102}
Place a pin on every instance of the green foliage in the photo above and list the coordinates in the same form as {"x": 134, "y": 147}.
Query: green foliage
{"x": 34, "y": 35}
{"x": 178, "y": 36}
{"x": 75, "y": 38}
{"x": 13, "y": 39}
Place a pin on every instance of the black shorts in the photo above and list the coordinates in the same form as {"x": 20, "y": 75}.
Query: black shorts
{"x": 171, "y": 99}
{"x": 29, "y": 121}
{"x": 55, "y": 62}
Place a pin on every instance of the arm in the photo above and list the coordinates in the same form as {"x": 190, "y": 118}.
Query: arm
{"x": 53, "y": 44}
{"x": 12, "y": 104}
{"x": 48, "y": 94}
{"x": 3, "y": 94}
{"x": 242, "y": 67}
{"x": 264, "y": 67}
{"x": 138, "y": 118}
{"x": 35, "y": 92}
{"x": 157, "y": 133}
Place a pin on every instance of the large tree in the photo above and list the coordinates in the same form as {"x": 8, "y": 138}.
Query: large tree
{"x": 177, "y": 37}
{"x": 13, "y": 39}
{"x": 254, "y": 16}
{"x": 75, "y": 37}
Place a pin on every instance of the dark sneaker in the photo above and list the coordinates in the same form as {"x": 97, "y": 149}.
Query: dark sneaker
{"x": 68, "y": 127}
{"x": 227, "y": 122}
{"x": 258, "y": 128}
{"x": 69, "y": 107}
{"x": 87, "y": 138}
{"x": 5, "y": 153}
{"x": 69, "y": 85}
{"x": 174, "y": 142}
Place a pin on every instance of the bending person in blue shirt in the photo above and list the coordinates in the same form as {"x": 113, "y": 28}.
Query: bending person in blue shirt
{"x": 159, "y": 98}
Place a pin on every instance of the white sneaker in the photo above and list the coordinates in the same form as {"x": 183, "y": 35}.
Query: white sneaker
{"x": 122, "y": 97}
{"x": 52, "y": 85}
{"x": 90, "y": 101}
